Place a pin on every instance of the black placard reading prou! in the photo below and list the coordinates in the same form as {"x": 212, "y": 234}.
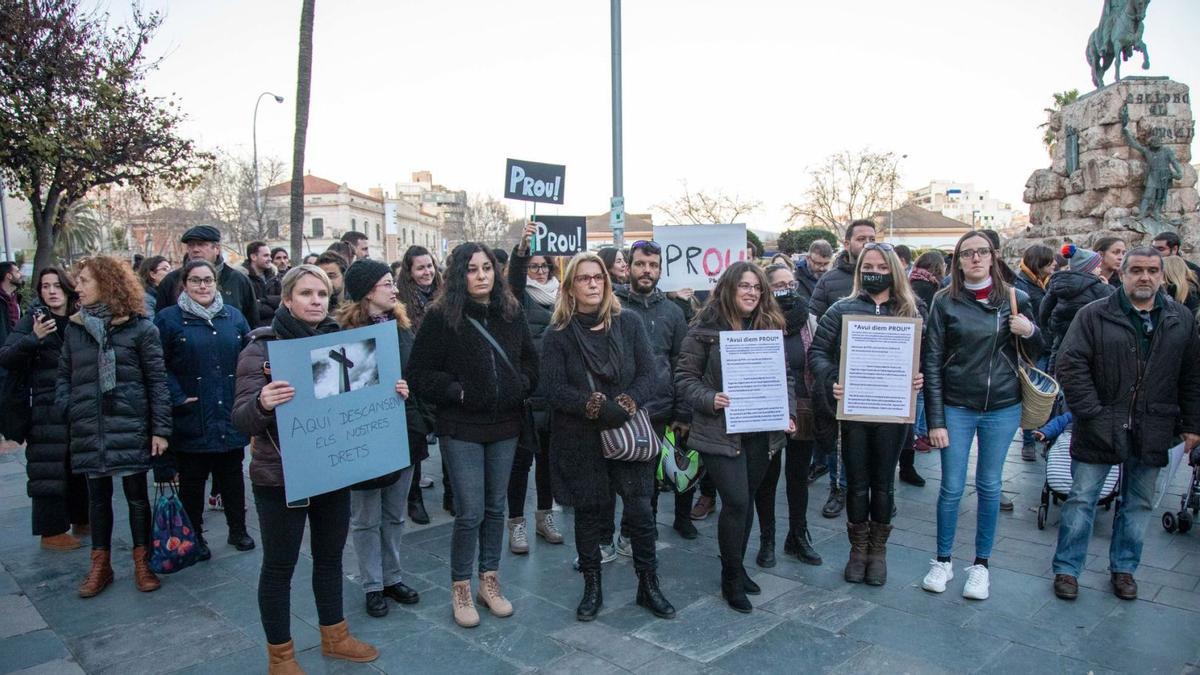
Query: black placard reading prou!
{"x": 535, "y": 182}
{"x": 559, "y": 235}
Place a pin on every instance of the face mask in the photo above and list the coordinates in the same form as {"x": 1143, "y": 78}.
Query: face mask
{"x": 876, "y": 283}
{"x": 785, "y": 297}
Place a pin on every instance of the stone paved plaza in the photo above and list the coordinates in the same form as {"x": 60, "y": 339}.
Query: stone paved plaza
{"x": 205, "y": 619}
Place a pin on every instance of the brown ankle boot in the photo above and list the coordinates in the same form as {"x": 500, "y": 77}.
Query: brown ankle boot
{"x": 99, "y": 576}
{"x": 60, "y": 542}
{"x": 876, "y": 574}
{"x": 281, "y": 660}
{"x": 81, "y": 530}
{"x": 143, "y": 578}
{"x": 338, "y": 643}
{"x": 856, "y": 566}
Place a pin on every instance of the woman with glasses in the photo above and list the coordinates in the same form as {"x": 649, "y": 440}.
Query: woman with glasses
{"x": 599, "y": 366}
{"x": 474, "y": 359}
{"x": 797, "y": 336}
{"x": 972, "y": 391}
{"x": 870, "y": 450}
{"x": 202, "y": 338}
{"x": 737, "y": 463}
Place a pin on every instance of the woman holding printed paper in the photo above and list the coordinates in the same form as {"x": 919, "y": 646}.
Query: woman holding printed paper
{"x": 303, "y": 312}
{"x": 377, "y": 506}
{"x": 972, "y": 389}
{"x": 474, "y": 359}
{"x": 737, "y": 463}
{"x": 870, "y": 450}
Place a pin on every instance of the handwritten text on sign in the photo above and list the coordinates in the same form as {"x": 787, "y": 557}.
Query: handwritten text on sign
{"x": 356, "y": 434}
{"x": 534, "y": 181}
{"x": 694, "y": 256}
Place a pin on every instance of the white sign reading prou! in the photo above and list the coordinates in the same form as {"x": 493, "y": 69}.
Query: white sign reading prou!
{"x": 694, "y": 256}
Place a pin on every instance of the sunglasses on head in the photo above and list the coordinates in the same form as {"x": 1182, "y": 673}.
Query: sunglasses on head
{"x": 879, "y": 246}
{"x": 649, "y": 246}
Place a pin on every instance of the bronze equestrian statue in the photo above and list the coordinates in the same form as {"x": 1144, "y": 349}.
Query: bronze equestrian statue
{"x": 1117, "y": 37}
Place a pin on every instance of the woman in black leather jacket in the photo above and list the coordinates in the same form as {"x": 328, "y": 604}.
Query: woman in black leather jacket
{"x": 870, "y": 450}
{"x": 972, "y": 389}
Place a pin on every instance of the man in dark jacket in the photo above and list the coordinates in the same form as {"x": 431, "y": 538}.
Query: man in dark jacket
{"x": 204, "y": 241}
{"x": 265, "y": 281}
{"x": 666, "y": 328}
{"x": 10, "y": 305}
{"x": 1128, "y": 370}
{"x": 812, "y": 267}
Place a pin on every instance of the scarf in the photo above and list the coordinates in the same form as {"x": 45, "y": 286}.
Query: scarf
{"x": 601, "y": 352}
{"x": 219, "y": 268}
{"x": 1032, "y": 276}
{"x": 381, "y": 318}
{"x": 188, "y": 304}
{"x": 96, "y": 320}
{"x": 921, "y": 274}
{"x": 981, "y": 290}
{"x": 424, "y": 293}
{"x": 543, "y": 294}
{"x": 288, "y": 327}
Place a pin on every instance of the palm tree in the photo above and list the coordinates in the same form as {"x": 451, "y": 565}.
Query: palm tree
{"x": 1061, "y": 100}
{"x": 303, "y": 86}
{"x": 80, "y": 233}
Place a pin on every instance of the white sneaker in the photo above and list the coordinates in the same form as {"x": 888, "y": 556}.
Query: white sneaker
{"x": 624, "y": 547}
{"x": 977, "y": 583}
{"x": 608, "y": 553}
{"x": 940, "y": 573}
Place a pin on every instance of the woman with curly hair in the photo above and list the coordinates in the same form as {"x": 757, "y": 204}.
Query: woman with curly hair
{"x": 112, "y": 382}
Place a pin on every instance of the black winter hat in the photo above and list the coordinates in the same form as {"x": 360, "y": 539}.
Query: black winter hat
{"x": 362, "y": 277}
{"x": 201, "y": 233}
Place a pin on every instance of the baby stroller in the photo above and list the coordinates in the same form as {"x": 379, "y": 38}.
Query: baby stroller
{"x": 1189, "y": 503}
{"x": 1058, "y": 479}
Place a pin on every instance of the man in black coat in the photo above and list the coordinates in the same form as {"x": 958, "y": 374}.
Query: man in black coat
{"x": 1128, "y": 369}
{"x": 204, "y": 242}
{"x": 265, "y": 281}
{"x": 812, "y": 267}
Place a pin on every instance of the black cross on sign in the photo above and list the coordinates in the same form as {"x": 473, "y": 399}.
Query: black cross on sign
{"x": 339, "y": 356}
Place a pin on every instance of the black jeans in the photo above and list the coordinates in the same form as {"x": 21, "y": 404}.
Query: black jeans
{"x": 908, "y": 453}
{"x": 870, "y": 451}
{"x": 594, "y": 526}
{"x": 55, "y": 515}
{"x": 282, "y": 532}
{"x": 518, "y": 480}
{"x": 799, "y": 457}
{"x": 737, "y": 480}
{"x": 137, "y": 498}
{"x": 226, "y": 469}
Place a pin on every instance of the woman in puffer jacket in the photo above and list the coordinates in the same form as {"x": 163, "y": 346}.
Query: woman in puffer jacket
{"x": 1068, "y": 291}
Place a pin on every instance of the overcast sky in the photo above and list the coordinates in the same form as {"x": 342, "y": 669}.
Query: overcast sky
{"x": 741, "y": 96}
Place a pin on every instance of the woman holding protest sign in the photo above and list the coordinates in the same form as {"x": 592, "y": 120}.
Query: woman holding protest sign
{"x": 303, "y": 312}
{"x": 113, "y": 386}
{"x": 474, "y": 359}
{"x": 870, "y": 450}
{"x": 599, "y": 365}
{"x": 201, "y": 338}
{"x": 534, "y": 282}
{"x": 377, "y": 506}
{"x": 737, "y": 463}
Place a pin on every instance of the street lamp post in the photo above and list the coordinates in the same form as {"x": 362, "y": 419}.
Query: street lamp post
{"x": 254, "y": 134}
{"x": 618, "y": 177}
{"x": 892, "y": 201}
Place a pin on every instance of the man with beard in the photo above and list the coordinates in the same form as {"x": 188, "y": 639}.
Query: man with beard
{"x": 203, "y": 242}
{"x": 265, "y": 280}
{"x": 666, "y": 328}
{"x": 11, "y": 282}
{"x": 812, "y": 267}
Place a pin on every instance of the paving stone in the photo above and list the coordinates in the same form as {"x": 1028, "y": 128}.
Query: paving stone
{"x": 249, "y": 660}
{"x": 939, "y": 642}
{"x": 791, "y": 642}
{"x": 1174, "y": 597}
{"x": 55, "y": 667}
{"x": 1024, "y": 659}
{"x": 674, "y": 664}
{"x": 1139, "y": 636}
{"x": 31, "y": 649}
{"x": 439, "y": 651}
{"x": 708, "y": 629}
{"x": 18, "y": 616}
{"x": 877, "y": 660}
{"x": 523, "y": 647}
{"x": 582, "y": 663}
{"x": 820, "y": 608}
{"x": 182, "y": 637}
{"x": 611, "y": 644}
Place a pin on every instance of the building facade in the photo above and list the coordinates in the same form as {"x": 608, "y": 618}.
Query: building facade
{"x": 330, "y": 210}
{"x": 448, "y": 206}
{"x": 407, "y": 224}
{"x": 964, "y": 203}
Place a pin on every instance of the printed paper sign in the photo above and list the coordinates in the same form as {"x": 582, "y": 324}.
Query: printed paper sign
{"x": 535, "y": 182}
{"x": 346, "y": 423}
{"x": 559, "y": 235}
{"x": 755, "y": 378}
{"x": 880, "y": 356}
{"x": 693, "y": 256}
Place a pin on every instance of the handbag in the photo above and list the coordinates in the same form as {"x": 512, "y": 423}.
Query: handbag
{"x": 633, "y": 441}
{"x": 1038, "y": 389}
{"x": 528, "y": 439}
{"x": 678, "y": 467}
{"x": 173, "y": 540}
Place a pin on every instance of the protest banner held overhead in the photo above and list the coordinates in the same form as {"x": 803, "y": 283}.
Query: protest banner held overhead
{"x": 535, "y": 182}
{"x": 693, "y": 256}
{"x": 346, "y": 423}
{"x": 559, "y": 235}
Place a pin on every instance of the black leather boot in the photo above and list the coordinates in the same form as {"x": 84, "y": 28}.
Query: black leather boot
{"x": 733, "y": 591}
{"x": 240, "y": 539}
{"x": 416, "y": 508}
{"x": 650, "y": 596}
{"x": 593, "y": 596}
{"x": 804, "y": 548}
{"x": 766, "y": 551}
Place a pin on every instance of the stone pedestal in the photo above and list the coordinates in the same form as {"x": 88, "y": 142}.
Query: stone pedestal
{"x": 1099, "y": 195}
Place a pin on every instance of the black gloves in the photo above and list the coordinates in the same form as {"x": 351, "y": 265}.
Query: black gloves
{"x": 612, "y": 415}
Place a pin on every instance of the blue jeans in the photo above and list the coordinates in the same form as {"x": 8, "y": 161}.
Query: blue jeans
{"x": 479, "y": 473}
{"x": 376, "y": 524}
{"x": 1079, "y": 511}
{"x": 995, "y": 429}
{"x": 920, "y": 428}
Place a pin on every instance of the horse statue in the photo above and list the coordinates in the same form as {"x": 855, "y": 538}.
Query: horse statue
{"x": 1118, "y": 35}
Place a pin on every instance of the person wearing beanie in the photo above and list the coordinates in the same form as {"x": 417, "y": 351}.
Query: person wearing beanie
{"x": 378, "y": 506}
{"x": 1068, "y": 291}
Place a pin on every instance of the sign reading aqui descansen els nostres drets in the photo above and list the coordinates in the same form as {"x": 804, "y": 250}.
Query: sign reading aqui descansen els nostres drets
{"x": 535, "y": 182}
{"x": 559, "y": 235}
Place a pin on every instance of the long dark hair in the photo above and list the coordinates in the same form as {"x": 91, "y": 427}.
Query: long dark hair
{"x": 147, "y": 267}
{"x": 721, "y": 307}
{"x": 64, "y": 280}
{"x": 454, "y": 296}
{"x": 999, "y": 292}
{"x": 404, "y": 280}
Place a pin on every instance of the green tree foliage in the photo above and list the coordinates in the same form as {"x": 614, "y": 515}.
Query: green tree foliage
{"x": 797, "y": 241}
{"x": 1061, "y": 100}
{"x": 753, "y": 240}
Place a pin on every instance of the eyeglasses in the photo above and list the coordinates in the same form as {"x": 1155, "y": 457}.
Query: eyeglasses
{"x": 650, "y": 246}
{"x": 386, "y": 283}
{"x": 786, "y": 285}
{"x": 539, "y": 267}
{"x": 746, "y": 287}
{"x": 202, "y": 281}
{"x": 879, "y": 246}
{"x": 586, "y": 279}
{"x": 969, "y": 253}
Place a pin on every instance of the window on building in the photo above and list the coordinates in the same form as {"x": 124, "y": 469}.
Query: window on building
{"x": 404, "y": 237}
{"x": 272, "y": 229}
{"x": 353, "y": 225}
{"x": 318, "y": 227}
{"x": 378, "y": 233}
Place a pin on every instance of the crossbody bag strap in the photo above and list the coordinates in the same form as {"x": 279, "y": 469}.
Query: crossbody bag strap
{"x": 495, "y": 345}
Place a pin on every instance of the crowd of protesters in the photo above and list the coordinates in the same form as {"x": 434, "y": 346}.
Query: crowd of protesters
{"x": 515, "y": 361}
